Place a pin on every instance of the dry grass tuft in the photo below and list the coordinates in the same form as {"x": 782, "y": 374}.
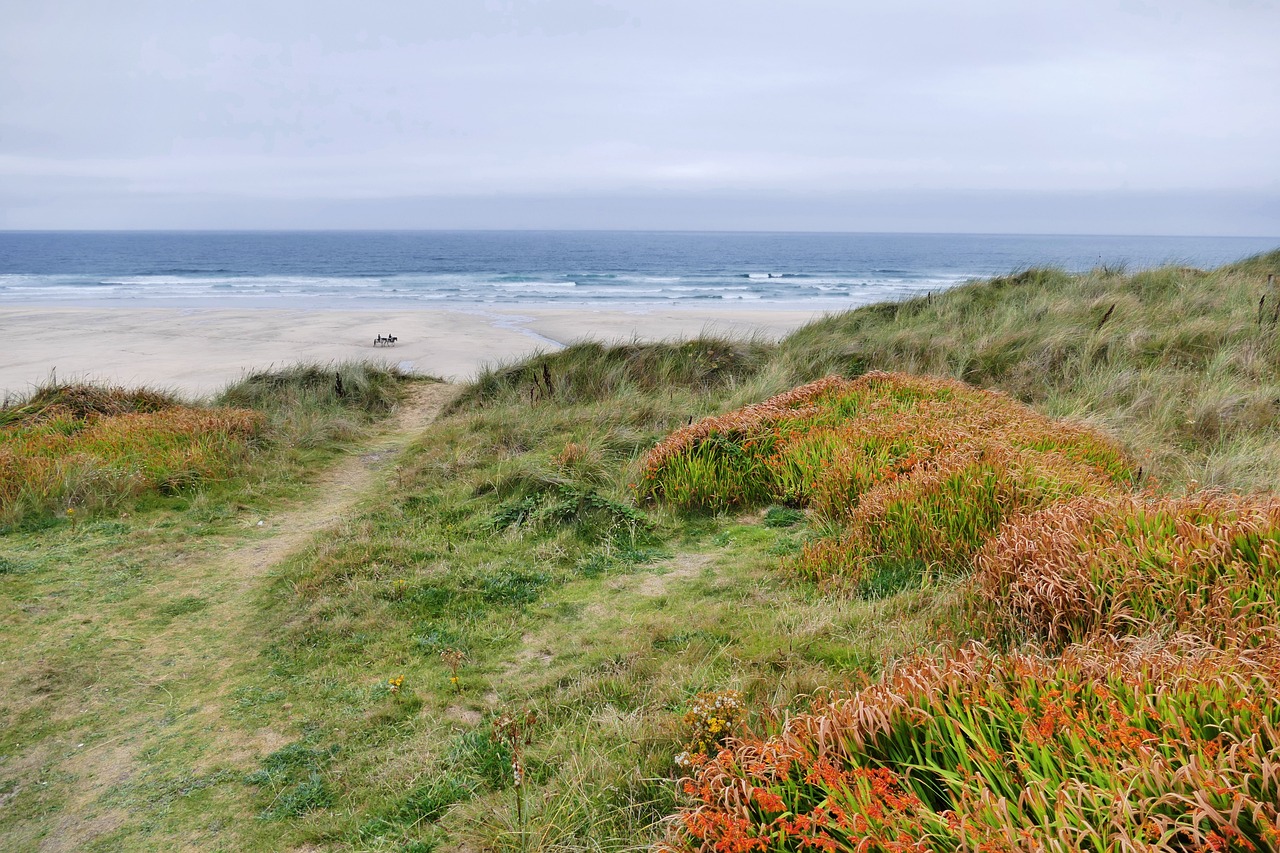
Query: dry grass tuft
{"x": 1128, "y": 565}
{"x": 80, "y": 401}
{"x": 57, "y": 461}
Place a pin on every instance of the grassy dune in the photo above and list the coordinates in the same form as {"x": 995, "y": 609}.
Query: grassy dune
{"x": 1179, "y": 364}
{"x": 1122, "y": 739}
{"x": 83, "y": 448}
{"x": 80, "y": 448}
{"x": 700, "y": 594}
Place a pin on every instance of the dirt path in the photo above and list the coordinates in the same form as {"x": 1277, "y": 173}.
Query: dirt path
{"x": 191, "y": 658}
{"x": 338, "y": 489}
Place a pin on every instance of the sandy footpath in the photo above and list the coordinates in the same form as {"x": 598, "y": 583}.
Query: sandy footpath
{"x": 197, "y": 351}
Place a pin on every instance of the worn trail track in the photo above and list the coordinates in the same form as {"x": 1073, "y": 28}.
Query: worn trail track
{"x": 188, "y": 661}
{"x": 339, "y": 488}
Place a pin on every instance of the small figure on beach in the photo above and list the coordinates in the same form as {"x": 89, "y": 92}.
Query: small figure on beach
{"x": 385, "y": 341}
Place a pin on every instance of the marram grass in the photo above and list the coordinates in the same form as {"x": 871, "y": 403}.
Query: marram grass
{"x": 60, "y": 462}
{"x": 1180, "y": 365}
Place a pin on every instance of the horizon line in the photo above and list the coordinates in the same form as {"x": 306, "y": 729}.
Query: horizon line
{"x": 761, "y": 231}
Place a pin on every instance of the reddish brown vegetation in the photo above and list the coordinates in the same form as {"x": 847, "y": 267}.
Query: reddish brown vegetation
{"x": 1115, "y": 745}
{"x": 1122, "y": 740}
{"x": 55, "y": 458}
{"x": 919, "y": 471}
{"x": 1128, "y": 564}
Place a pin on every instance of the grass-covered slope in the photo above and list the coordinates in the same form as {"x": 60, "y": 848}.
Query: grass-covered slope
{"x": 912, "y": 474}
{"x": 59, "y": 455}
{"x": 83, "y": 448}
{"x": 592, "y": 578}
{"x": 1124, "y": 739}
{"x": 118, "y": 619}
{"x": 1181, "y": 365}
{"x": 1125, "y": 694}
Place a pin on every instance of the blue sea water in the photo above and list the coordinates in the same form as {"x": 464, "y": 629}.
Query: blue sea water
{"x": 408, "y": 269}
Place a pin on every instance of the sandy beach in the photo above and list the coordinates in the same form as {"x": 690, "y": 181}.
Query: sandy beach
{"x": 196, "y": 351}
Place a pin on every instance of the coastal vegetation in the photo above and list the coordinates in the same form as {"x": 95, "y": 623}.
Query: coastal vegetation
{"x": 993, "y": 569}
{"x": 81, "y": 448}
{"x": 1154, "y": 725}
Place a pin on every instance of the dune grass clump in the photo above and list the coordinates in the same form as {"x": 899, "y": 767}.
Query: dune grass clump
{"x": 827, "y": 443}
{"x": 309, "y": 405}
{"x": 78, "y": 401}
{"x": 368, "y": 386}
{"x": 88, "y": 447}
{"x": 1181, "y": 365}
{"x": 590, "y": 372}
{"x": 724, "y": 461}
{"x": 1129, "y": 565}
{"x": 1117, "y": 744}
{"x": 917, "y": 471}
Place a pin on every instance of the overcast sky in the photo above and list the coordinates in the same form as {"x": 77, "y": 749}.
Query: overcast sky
{"x": 1132, "y": 116}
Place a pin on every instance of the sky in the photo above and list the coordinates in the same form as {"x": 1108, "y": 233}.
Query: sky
{"x": 1129, "y": 117}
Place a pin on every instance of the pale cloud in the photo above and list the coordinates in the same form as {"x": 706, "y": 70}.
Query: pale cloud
{"x": 141, "y": 106}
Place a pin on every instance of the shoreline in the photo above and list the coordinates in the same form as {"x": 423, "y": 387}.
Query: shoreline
{"x": 196, "y": 351}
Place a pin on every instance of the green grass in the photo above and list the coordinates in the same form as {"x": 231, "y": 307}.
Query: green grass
{"x": 77, "y": 450}
{"x": 312, "y": 405}
{"x": 223, "y": 716}
{"x": 1184, "y": 372}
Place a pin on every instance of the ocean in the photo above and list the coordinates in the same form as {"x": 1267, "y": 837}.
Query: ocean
{"x": 391, "y": 269}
